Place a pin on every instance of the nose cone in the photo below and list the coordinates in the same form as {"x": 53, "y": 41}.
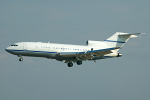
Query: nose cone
{"x": 7, "y": 49}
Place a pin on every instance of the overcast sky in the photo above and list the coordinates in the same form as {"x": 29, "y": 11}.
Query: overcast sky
{"x": 74, "y": 22}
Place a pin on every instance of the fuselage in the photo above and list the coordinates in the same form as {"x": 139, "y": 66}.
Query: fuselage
{"x": 51, "y": 50}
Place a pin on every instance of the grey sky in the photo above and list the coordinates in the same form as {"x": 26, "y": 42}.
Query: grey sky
{"x": 74, "y": 22}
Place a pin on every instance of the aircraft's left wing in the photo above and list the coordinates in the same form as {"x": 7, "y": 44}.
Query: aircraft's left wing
{"x": 88, "y": 54}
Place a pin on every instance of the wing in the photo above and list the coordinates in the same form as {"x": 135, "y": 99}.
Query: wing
{"x": 88, "y": 54}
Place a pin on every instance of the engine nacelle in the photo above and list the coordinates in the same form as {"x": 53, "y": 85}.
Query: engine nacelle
{"x": 90, "y": 42}
{"x": 95, "y": 43}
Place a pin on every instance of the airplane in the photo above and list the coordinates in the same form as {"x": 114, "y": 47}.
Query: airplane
{"x": 93, "y": 50}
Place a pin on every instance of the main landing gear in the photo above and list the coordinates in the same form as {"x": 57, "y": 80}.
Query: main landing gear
{"x": 79, "y": 62}
{"x": 70, "y": 64}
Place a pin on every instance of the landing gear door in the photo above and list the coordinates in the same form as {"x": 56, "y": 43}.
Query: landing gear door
{"x": 24, "y": 46}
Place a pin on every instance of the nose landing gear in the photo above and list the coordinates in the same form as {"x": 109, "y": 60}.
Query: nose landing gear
{"x": 20, "y": 59}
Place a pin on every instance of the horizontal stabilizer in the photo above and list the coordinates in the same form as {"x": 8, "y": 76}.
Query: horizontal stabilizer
{"x": 132, "y": 34}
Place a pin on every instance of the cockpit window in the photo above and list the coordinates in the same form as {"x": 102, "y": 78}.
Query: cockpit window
{"x": 14, "y": 45}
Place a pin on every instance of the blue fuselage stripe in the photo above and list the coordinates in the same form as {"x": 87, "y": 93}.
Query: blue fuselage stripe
{"x": 32, "y": 51}
{"x": 114, "y": 41}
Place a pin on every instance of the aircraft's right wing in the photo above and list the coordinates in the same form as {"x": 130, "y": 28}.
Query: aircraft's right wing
{"x": 88, "y": 54}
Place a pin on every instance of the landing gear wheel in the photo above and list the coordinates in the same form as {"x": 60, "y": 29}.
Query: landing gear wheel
{"x": 21, "y": 59}
{"x": 70, "y": 64}
{"x": 79, "y": 62}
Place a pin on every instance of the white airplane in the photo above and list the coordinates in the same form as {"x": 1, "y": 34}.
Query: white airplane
{"x": 93, "y": 50}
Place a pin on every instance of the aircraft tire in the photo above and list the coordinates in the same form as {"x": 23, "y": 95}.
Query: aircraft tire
{"x": 70, "y": 64}
{"x": 79, "y": 62}
{"x": 21, "y": 59}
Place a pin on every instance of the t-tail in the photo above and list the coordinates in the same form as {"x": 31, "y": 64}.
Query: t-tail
{"x": 119, "y": 39}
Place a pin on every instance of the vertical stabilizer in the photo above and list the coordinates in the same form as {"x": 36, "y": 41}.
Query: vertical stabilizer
{"x": 119, "y": 39}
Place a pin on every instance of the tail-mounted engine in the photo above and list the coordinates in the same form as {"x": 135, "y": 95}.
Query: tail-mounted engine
{"x": 95, "y": 43}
